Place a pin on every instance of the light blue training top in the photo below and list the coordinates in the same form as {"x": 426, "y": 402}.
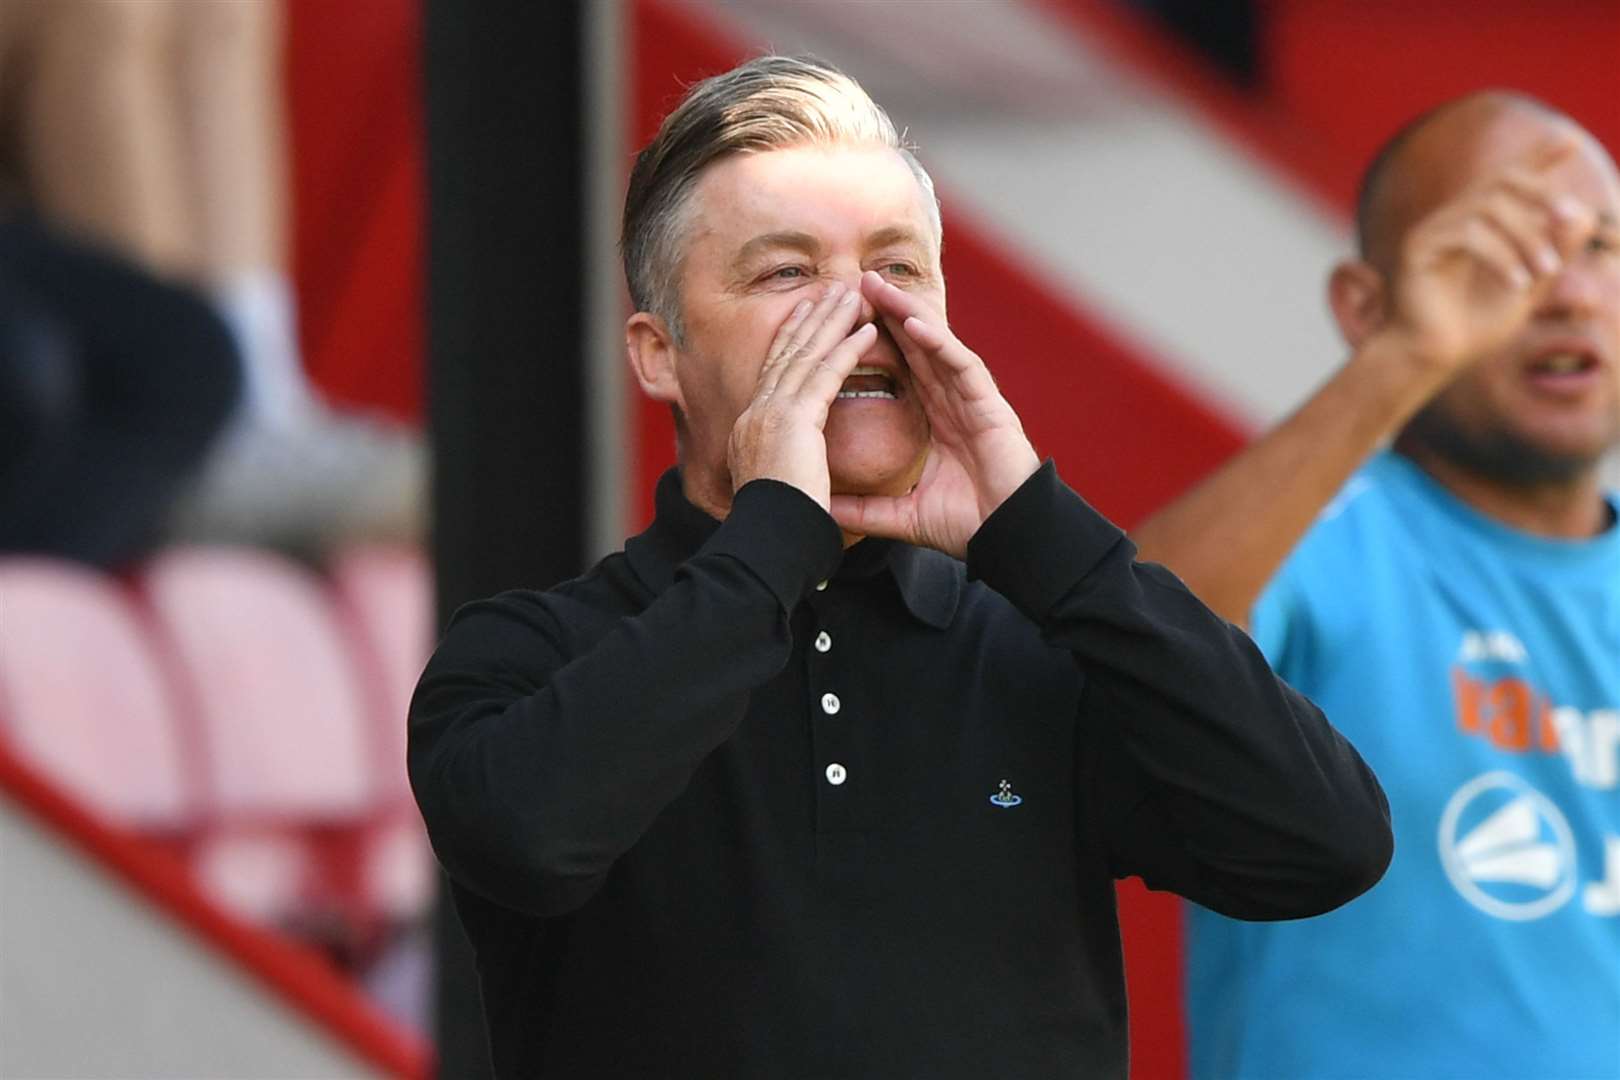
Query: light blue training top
{"x": 1477, "y": 669}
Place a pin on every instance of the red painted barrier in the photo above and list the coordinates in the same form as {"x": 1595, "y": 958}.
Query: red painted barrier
{"x": 301, "y": 978}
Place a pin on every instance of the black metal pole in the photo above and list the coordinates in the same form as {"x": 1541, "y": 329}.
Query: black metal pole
{"x": 506, "y": 341}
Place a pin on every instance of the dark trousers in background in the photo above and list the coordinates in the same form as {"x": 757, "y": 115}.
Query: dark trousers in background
{"x": 113, "y": 387}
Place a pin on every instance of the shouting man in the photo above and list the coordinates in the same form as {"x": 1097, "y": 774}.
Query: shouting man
{"x": 831, "y": 771}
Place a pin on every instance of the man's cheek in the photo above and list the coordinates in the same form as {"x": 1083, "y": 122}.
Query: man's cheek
{"x": 783, "y": 304}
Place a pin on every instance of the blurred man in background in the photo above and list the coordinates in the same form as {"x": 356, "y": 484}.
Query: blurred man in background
{"x": 156, "y": 130}
{"x": 759, "y": 797}
{"x": 1454, "y": 604}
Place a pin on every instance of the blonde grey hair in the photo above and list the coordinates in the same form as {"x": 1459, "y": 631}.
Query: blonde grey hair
{"x": 769, "y": 103}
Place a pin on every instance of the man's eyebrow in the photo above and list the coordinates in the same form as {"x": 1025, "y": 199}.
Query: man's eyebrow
{"x": 798, "y": 241}
{"x": 895, "y": 234}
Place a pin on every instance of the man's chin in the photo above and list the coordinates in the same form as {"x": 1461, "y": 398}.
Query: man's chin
{"x": 1563, "y": 448}
{"x": 1515, "y": 457}
{"x": 871, "y": 474}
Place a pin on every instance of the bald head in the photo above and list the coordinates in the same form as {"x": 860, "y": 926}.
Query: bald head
{"x": 1441, "y": 152}
{"x": 1493, "y": 190}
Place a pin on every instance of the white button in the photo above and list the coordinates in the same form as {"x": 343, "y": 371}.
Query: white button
{"x": 823, "y": 641}
{"x": 836, "y": 774}
{"x": 829, "y": 703}
{"x": 821, "y": 586}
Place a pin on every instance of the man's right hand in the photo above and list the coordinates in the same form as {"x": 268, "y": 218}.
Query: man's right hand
{"x": 780, "y": 435}
{"x": 1470, "y": 273}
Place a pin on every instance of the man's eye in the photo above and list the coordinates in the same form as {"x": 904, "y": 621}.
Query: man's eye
{"x": 903, "y": 270}
{"x": 786, "y": 273}
{"x": 1603, "y": 243}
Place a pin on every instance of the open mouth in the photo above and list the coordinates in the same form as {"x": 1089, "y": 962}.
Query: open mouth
{"x": 869, "y": 383}
{"x": 1562, "y": 364}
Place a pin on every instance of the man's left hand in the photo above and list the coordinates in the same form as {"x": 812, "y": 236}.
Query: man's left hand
{"x": 979, "y": 453}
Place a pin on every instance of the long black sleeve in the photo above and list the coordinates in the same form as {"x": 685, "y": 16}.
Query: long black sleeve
{"x": 1218, "y": 780}
{"x": 545, "y": 739}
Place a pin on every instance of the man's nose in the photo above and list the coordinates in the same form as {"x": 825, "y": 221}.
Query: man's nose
{"x": 867, "y": 313}
{"x": 1576, "y": 291}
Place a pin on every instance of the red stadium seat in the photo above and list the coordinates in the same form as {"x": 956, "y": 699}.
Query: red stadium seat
{"x": 83, "y": 698}
{"x": 386, "y": 595}
{"x": 272, "y": 678}
{"x": 284, "y": 748}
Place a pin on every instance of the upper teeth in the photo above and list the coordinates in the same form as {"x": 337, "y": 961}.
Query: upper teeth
{"x": 1563, "y": 363}
{"x": 868, "y": 370}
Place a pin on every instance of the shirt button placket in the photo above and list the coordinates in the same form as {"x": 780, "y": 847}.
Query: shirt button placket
{"x": 833, "y": 750}
{"x": 836, "y": 772}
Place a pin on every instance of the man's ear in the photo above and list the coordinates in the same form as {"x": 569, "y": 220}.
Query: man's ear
{"x": 652, "y": 353}
{"x": 1356, "y": 294}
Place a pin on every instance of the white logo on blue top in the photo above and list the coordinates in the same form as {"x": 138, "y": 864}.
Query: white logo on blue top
{"x": 1500, "y": 645}
{"x": 1507, "y": 849}
{"x": 1005, "y": 797}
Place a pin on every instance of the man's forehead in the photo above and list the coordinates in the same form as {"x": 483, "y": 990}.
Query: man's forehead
{"x": 1493, "y": 134}
{"x": 806, "y": 196}
{"x": 798, "y": 240}
{"x": 1465, "y": 142}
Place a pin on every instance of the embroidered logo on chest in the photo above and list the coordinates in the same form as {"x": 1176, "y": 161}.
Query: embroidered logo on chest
{"x": 1005, "y": 797}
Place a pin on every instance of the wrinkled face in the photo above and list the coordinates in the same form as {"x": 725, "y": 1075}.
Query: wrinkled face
{"x": 1546, "y": 406}
{"x": 768, "y": 230}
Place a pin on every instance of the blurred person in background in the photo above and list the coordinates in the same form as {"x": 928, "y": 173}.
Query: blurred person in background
{"x": 761, "y": 797}
{"x": 1453, "y": 602}
{"x": 114, "y": 387}
{"x": 156, "y": 128}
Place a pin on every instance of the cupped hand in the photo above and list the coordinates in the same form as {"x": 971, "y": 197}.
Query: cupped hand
{"x": 1472, "y": 271}
{"x": 780, "y": 435}
{"x": 978, "y": 455}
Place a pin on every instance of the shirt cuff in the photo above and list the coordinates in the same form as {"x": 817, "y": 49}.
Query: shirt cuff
{"x": 1040, "y": 543}
{"x": 782, "y": 535}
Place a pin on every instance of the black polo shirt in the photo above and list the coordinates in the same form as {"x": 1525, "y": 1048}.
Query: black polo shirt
{"x": 737, "y": 803}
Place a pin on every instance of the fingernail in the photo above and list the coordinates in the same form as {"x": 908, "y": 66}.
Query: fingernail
{"x": 1567, "y": 208}
{"x": 848, "y": 298}
{"x": 834, "y": 289}
{"x": 801, "y": 307}
{"x": 1547, "y": 261}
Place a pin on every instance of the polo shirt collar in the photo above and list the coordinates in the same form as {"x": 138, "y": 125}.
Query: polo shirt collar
{"x": 929, "y": 582}
{"x": 677, "y": 531}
